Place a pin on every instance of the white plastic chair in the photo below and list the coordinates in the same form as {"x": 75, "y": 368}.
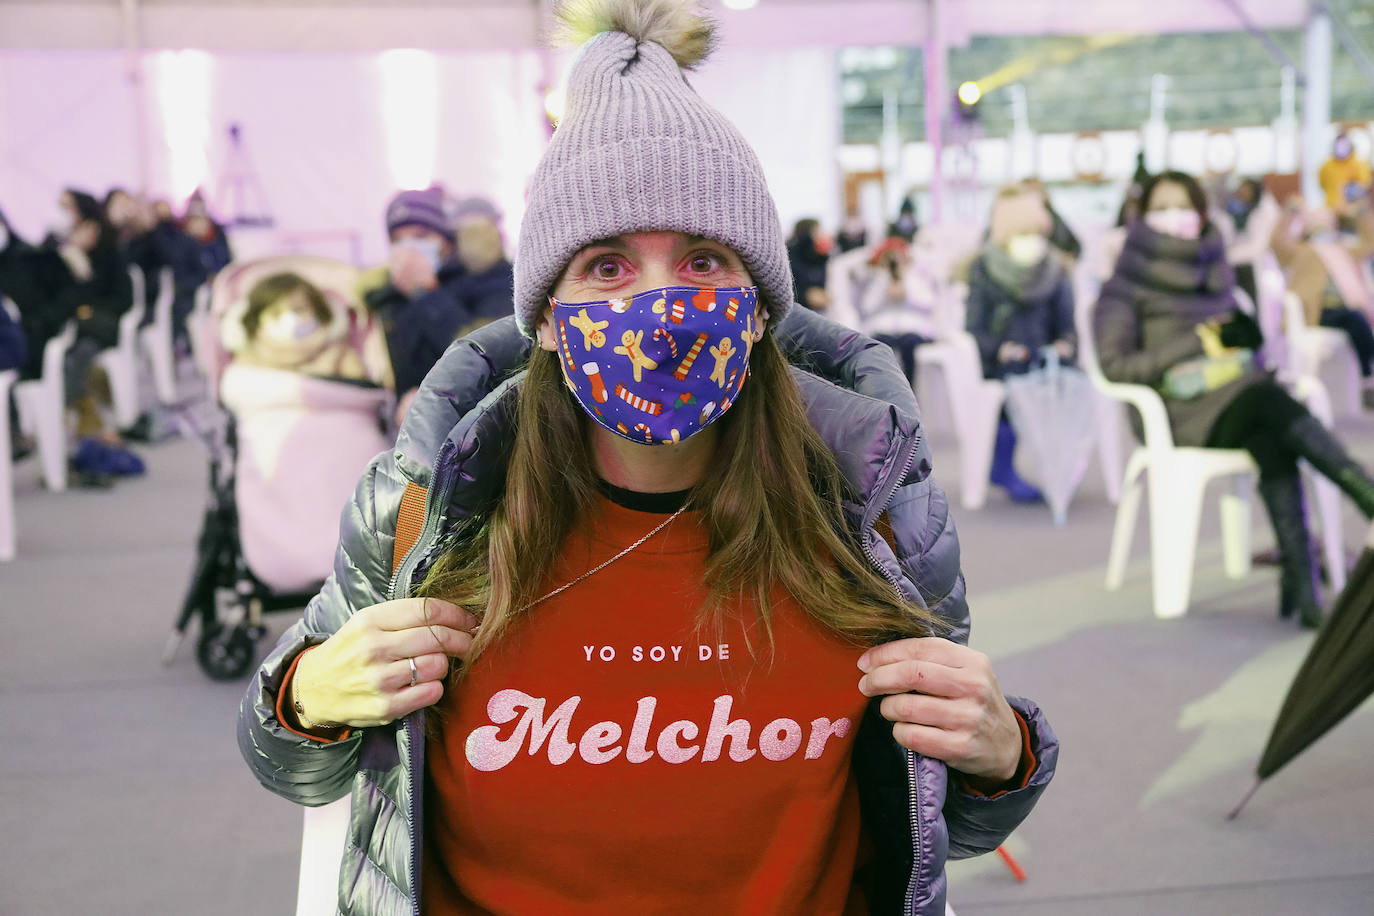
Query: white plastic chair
{"x": 324, "y": 834}
{"x": 120, "y": 362}
{"x": 1323, "y": 354}
{"x": 1178, "y": 480}
{"x": 7, "y": 379}
{"x": 156, "y": 338}
{"x": 42, "y": 409}
{"x": 975, "y": 406}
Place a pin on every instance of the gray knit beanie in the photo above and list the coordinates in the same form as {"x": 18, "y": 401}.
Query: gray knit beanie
{"x": 638, "y": 150}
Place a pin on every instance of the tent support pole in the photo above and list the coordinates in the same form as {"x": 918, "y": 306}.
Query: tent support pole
{"x": 937, "y": 68}
{"x": 133, "y": 54}
{"x": 1316, "y": 99}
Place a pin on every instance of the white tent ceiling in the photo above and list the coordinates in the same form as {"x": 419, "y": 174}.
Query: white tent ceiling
{"x": 363, "y": 25}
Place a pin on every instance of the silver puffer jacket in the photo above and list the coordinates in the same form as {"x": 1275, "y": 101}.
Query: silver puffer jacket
{"x": 449, "y": 462}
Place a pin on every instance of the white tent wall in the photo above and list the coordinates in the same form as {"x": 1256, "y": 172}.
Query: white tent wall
{"x": 65, "y": 119}
{"x": 313, "y": 129}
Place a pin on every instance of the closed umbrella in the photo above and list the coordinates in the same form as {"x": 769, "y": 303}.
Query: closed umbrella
{"x": 1335, "y": 678}
{"x": 1054, "y": 411}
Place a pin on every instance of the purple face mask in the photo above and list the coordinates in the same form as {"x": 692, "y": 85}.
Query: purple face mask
{"x": 661, "y": 365}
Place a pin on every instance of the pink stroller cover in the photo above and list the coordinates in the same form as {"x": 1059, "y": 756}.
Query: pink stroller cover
{"x": 303, "y": 442}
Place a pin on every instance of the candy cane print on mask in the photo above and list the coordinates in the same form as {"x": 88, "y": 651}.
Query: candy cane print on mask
{"x": 655, "y": 378}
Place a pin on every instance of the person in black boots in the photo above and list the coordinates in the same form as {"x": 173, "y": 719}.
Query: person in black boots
{"x": 1020, "y": 301}
{"x": 1167, "y": 318}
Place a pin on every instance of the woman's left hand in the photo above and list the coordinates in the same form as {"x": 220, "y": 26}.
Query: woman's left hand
{"x": 946, "y": 704}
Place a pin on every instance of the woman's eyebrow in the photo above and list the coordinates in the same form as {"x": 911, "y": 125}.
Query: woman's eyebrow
{"x": 615, "y": 242}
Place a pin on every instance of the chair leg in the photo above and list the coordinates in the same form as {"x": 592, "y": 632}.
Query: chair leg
{"x": 158, "y": 345}
{"x": 1127, "y": 511}
{"x": 1109, "y": 446}
{"x": 1327, "y": 500}
{"x": 43, "y": 414}
{"x": 1175, "y": 511}
{"x": 977, "y": 420}
{"x": 123, "y": 389}
{"x": 1235, "y": 528}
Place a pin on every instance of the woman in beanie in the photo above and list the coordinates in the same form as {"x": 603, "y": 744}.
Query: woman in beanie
{"x": 1020, "y": 301}
{"x": 1167, "y": 318}
{"x": 674, "y": 590}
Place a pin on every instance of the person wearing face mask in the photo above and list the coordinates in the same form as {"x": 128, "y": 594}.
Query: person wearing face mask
{"x": 669, "y": 565}
{"x": 1167, "y": 318}
{"x": 289, "y": 325}
{"x": 419, "y": 296}
{"x": 1322, "y": 269}
{"x": 489, "y": 278}
{"x": 1020, "y": 301}
{"x": 1345, "y": 177}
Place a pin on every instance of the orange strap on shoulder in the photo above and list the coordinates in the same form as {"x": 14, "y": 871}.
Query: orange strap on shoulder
{"x": 410, "y": 521}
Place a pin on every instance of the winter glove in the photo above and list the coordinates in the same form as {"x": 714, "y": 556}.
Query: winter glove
{"x": 1241, "y": 332}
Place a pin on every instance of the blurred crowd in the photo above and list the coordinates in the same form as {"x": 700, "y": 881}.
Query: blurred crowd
{"x": 102, "y": 260}
{"x": 1201, "y": 292}
{"x": 1179, "y": 296}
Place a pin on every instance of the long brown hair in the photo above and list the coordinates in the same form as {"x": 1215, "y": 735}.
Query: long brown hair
{"x": 766, "y": 528}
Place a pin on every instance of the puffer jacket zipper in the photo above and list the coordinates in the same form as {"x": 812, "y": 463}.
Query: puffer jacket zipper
{"x": 913, "y": 784}
{"x": 437, "y": 496}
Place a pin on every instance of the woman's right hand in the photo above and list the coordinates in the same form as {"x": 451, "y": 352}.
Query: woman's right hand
{"x": 361, "y": 676}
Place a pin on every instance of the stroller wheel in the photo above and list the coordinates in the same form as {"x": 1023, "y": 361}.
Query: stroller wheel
{"x": 225, "y": 653}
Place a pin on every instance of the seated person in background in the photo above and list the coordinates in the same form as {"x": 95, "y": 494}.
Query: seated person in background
{"x": 1345, "y": 177}
{"x": 1020, "y": 301}
{"x": 1167, "y": 319}
{"x": 807, "y": 252}
{"x": 132, "y": 221}
{"x": 183, "y": 254}
{"x": 289, "y": 325}
{"x": 31, "y": 278}
{"x": 97, "y": 293}
{"x": 887, "y": 296}
{"x": 1324, "y": 273}
{"x": 489, "y": 282}
{"x": 208, "y": 235}
{"x": 419, "y": 294}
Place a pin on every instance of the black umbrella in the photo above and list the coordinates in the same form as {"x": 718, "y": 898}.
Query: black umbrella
{"x": 1335, "y": 678}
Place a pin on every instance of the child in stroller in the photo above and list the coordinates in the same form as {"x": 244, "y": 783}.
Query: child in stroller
{"x": 301, "y": 419}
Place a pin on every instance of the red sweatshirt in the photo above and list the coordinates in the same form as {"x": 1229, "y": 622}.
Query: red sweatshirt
{"x": 608, "y": 757}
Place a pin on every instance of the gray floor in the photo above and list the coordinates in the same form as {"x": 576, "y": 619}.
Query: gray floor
{"x": 122, "y": 791}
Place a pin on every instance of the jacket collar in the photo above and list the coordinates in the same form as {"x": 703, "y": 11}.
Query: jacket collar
{"x": 857, "y": 398}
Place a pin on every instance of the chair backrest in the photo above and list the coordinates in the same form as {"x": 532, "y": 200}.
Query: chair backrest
{"x": 140, "y": 287}
{"x": 166, "y": 297}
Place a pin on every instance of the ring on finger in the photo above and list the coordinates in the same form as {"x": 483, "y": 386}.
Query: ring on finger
{"x": 414, "y": 672}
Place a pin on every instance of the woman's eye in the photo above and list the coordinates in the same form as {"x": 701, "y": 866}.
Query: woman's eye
{"x": 605, "y": 269}
{"x": 704, "y": 263}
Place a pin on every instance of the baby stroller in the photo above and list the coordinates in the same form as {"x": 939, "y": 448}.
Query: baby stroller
{"x": 286, "y": 450}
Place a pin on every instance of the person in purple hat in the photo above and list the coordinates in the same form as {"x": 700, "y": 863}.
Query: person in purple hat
{"x": 418, "y": 296}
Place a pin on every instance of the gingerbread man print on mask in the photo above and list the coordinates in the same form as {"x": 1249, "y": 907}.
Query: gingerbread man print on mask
{"x": 592, "y": 331}
{"x": 633, "y": 350}
{"x": 722, "y": 352}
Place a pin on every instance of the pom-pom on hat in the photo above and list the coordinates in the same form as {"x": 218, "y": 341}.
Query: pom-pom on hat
{"x": 638, "y": 150}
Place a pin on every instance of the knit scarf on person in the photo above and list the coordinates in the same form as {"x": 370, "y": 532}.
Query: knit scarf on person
{"x": 1188, "y": 270}
{"x": 1024, "y": 283}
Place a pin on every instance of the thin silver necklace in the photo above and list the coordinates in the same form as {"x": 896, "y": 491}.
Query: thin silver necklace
{"x": 596, "y": 569}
